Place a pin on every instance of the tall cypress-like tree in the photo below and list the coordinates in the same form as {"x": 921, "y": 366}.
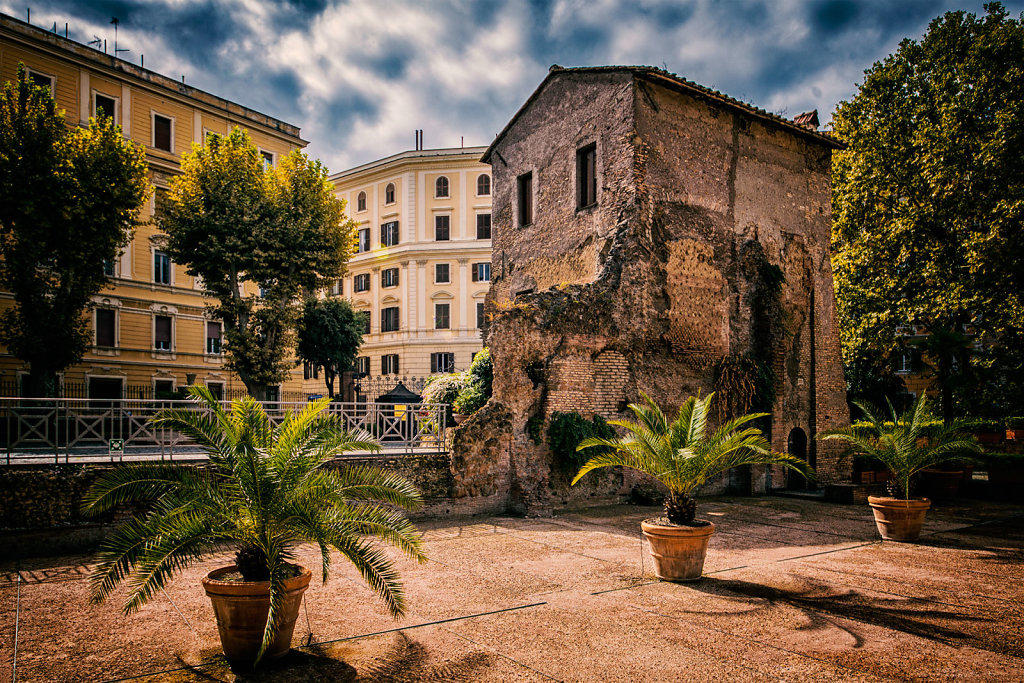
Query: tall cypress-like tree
{"x": 69, "y": 200}
{"x": 230, "y": 221}
{"x": 928, "y": 199}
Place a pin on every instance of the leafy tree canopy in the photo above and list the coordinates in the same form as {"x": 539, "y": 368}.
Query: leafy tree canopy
{"x": 69, "y": 200}
{"x": 928, "y": 199}
{"x": 230, "y": 220}
{"x": 330, "y": 333}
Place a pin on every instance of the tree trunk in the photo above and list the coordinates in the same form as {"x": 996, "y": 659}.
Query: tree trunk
{"x": 329, "y": 380}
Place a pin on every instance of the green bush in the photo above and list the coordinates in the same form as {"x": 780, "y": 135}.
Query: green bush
{"x": 567, "y": 430}
{"x": 1015, "y": 422}
{"x": 476, "y": 387}
{"x": 470, "y": 399}
{"x": 481, "y": 371}
{"x": 444, "y": 388}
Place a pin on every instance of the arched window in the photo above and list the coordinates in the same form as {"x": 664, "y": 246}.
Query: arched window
{"x": 441, "y": 187}
{"x": 389, "y": 194}
{"x": 361, "y": 202}
{"x": 483, "y": 185}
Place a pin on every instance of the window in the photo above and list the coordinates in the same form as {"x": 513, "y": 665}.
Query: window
{"x": 389, "y": 364}
{"x": 481, "y": 272}
{"x": 42, "y": 80}
{"x": 361, "y": 283}
{"x": 389, "y": 194}
{"x": 442, "y": 317}
{"x": 389, "y": 234}
{"x": 268, "y": 159}
{"x": 389, "y": 319}
{"x": 905, "y": 363}
{"x": 441, "y": 187}
{"x": 364, "y": 240}
{"x": 442, "y": 362}
{"x": 162, "y": 333}
{"x": 162, "y": 138}
{"x": 442, "y": 275}
{"x": 483, "y": 185}
{"x": 337, "y": 288}
{"x": 389, "y": 277}
{"x": 442, "y": 228}
{"x": 105, "y": 106}
{"x": 524, "y": 186}
{"x": 161, "y": 268}
{"x": 163, "y": 389}
{"x": 483, "y": 226}
{"x": 217, "y": 389}
{"x": 362, "y": 366}
{"x": 586, "y": 176}
{"x": 480, "y": 316}
{"x": 109, "y": 268}
{"x": 310, "y": 371}
{"x": 213, "y": 336}
{"x": 365, "y": 315}
{"x": 106, "y": 327}
{"x": 361, "y": 202}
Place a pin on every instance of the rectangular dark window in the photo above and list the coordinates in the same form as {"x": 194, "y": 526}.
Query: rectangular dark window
{"x": 337, "y": 288}
{"x": 106, "y": 107}
{"x": 442, "y": 274}
{"x": 480, "y": 316}
{"x": 217, "y": 389}
{"x": 268, "y": 159}
{"x": 389, "y": 364}
{"x": 389, "y": 319}
{"x": 442, "y": 228}
{"x": 481, "y": 272}
{"x": 442, "y": 317}
{"x": 483, "y": 226}
{"x": 442, "y": 362}
{"x": 42, "y": 80}
{"x": 362, "y": 366}
{"x": 586, "y": 176}
{"x": 108, "y": 268}
{"x": 364, "y": 240}
{"x": 163, "y": 389}
{"x": 361, "y": 283}
{"x": 366, "y": 321}
{"x": 162, "y": 333}
{"x": 389, "y": 234}
{"x": 213, "y": 332}
{"x": 389, "y": 277}
{"x": 162, "y": 133}
{"x": 524, "y": 186}
{"x": 310, "y": 371}
{"x": 106, "y": 324}
{"x": 161, "y": 268}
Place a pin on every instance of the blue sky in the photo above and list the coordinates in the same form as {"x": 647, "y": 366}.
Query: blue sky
{"x": 360, "y": 76}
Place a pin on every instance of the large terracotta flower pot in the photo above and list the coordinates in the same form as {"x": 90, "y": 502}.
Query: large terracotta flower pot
{"x": 899, "y": 520}
{"x": 241, "y": 608}
{"x": 678, "y": 551}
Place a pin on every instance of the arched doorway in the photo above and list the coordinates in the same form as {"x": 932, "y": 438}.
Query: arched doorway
{"x": 796, "y": 445}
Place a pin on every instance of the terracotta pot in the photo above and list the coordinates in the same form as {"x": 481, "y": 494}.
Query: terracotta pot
{"x": 678, "y": 551}
{"x": 899, "y": 520}
{"x": 941, "y": 484}
{"x": 459, "y": 418}
{"x": 241, "y": 608}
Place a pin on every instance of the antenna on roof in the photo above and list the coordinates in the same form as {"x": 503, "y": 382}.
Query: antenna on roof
{"x": 116, "y": 22}
{"x": 96, "y": 41}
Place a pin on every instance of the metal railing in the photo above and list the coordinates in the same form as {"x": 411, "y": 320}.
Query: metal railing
{"x": 62, "y": 430}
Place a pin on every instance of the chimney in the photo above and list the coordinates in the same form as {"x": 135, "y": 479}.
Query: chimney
{"x": 808, "y": 120}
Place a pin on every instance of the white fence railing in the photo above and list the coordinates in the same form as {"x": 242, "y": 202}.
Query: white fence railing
{"x": 59, "y": 430}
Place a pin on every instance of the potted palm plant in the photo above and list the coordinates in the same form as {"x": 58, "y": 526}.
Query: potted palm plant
{"x": 264, "y": 492}
{"x": 907, "y": 444}
{"x": 683, "y": 455}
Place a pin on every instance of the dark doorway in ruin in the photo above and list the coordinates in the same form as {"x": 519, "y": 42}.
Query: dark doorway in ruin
{"x": 796, "y": 445}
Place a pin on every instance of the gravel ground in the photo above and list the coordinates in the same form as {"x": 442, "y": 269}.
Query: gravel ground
{"x": 793, "y": 590}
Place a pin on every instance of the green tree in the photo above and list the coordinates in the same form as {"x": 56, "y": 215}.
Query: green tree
{"x": 69, "y": 200}
{"x": 330, "y": 334}
{"x": 264, "y": 493}
{"x": 231, "y": 221}
{"x": 928, "y": 199}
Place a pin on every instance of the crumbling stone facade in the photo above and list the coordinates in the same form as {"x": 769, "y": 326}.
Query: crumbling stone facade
{"x": 709, "y": 238}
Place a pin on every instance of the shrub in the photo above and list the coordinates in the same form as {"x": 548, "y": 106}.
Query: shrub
{"x": 477, "y": 386}
{"x": 444, "y": 388}
{"x": 470, "y": 399}
{"x": 1015, "y": 422}
{"x": 567, "y": 430}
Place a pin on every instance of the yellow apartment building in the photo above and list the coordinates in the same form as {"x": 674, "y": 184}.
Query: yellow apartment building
{"x": 423, "y": 264}
{"x": 151, "y": 332}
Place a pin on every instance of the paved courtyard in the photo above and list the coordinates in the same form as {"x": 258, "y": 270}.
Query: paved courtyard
{"x": 794, "y": 590}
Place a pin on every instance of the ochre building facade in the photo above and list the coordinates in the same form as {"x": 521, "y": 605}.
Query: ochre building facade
{"x": 151, "y": 332}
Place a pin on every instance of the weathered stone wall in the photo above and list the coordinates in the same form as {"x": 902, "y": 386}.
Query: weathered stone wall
{"x": 695, "y": 200}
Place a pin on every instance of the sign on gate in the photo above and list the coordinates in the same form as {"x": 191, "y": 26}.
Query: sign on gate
{"x": 116, "y": 447}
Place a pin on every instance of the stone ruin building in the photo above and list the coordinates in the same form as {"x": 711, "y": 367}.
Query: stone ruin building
{"x": 651, "y": 235}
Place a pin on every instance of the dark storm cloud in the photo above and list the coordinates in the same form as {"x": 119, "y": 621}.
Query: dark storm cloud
{"x": 358, "y": 76}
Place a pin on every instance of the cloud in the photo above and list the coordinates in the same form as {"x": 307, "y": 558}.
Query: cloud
{"x": 359, "y": 76}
